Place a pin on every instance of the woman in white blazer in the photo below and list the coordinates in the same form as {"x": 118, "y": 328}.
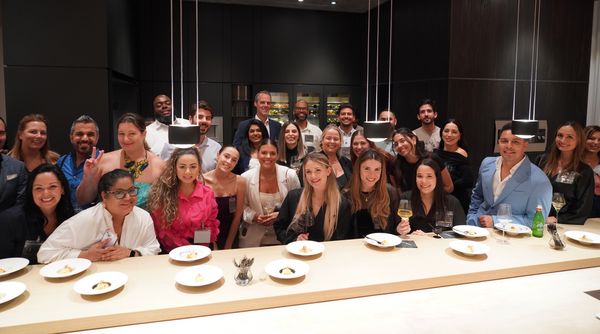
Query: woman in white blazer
{"x": 266, "y": 188}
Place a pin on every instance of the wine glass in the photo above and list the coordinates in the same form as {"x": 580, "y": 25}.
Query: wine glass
{"x": 404, "y": 209}
{"x": 504, "y": 216}
{"x": 268, "y": 206}
{"x": 558, "y": 201}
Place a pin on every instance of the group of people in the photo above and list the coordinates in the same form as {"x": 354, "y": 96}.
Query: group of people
{"x": 276, "y": 184}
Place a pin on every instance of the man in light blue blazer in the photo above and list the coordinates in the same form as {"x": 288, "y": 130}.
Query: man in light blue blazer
{"x": 510, "y": 178}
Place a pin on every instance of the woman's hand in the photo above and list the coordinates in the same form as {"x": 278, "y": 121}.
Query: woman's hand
{"x": 267, "y": 220}
{"x": 95, "y": 252}
{"x": 551, "y": 220}
{"x": 486, "y": 221}
{"x": 116, "y": 253}
{"x": 404, "y": 227}
{"x": 418, "y": 232}
{"x": 302, "y": 237}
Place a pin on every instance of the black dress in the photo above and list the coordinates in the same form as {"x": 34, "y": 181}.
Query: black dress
{"x": 462, "y": 176}
{"x": 225, "y": 217}
{"x": 426, "y": 223}
{"x": 315, "y": 232}
{"x": 404, "y": 173}
{"x": 578, "y": 190}
{"x": 362, "y": 221}
{"x": 18, "y": 229}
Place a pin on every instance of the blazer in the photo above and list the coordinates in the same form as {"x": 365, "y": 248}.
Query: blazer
{"x": 253, "y": 235}
{"x": 13, "y": 181}
{"x": 524, "y": 191}
{"x": 240, "y": 133}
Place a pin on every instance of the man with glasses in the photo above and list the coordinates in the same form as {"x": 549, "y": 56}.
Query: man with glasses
{"x": 511, "y": 179}
{"x": 311, "y": 134}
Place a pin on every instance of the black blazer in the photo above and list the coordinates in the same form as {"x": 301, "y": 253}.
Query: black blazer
{"x": 288, "y": 209}
{"x": 13, "y": 181}
{"x": 240, "y": 133}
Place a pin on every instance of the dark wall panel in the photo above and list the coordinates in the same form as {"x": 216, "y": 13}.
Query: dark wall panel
{"x": 122, "y": 37}
{"x": 61, "y": 94}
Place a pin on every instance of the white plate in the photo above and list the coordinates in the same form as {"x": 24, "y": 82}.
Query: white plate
{"x": 189, "y": 253}
{"x": 275, "y": 268}
{"x": 11, "y": 290}
{"x": 469, "y": 248}
{"x": 388, "y": 240}
{"x": 85, "y": 286}
{"x": 587, "y": 238}
{"x": 514, "y": 229}
{"x": 65, "y": 268}
{"x": 12, "y": 264}
{"x": 305, "y": 248}
{"x": 199, "y": 275}
{"x": 471, "y": 231}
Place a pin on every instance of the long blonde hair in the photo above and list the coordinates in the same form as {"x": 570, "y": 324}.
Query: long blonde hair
{"x": 332, "y": 195}
{"x": 379, "y": 205}
{"x": 164, "y": 194}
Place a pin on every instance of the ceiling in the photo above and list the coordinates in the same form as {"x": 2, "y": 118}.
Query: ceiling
{"x": 350, "y": 6}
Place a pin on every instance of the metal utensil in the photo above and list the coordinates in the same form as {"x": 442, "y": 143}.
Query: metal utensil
{"x": 377, "y": 241}
{"x": 555, "y": 242}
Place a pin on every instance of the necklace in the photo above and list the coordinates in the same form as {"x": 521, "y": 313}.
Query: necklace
{"x": 366, "y": 196}
{"x": 135, "y": 168}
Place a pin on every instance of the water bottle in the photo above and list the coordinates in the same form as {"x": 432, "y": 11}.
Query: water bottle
{"x": 537, "y": 226}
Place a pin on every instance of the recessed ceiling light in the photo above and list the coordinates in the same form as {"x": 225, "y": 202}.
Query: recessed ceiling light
{"x": 333, "y": 2}
{"x": 300, "y": 0}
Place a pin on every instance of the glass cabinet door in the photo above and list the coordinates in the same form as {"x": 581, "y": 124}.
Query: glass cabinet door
{"x": 280, "y": 106}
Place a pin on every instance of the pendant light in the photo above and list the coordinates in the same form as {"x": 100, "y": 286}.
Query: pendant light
{"x": 377, "y": 131}
{"x": 527, "y": 128}
{"x": 182, "y": 135}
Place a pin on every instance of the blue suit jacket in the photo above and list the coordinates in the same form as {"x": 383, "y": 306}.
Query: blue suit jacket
{"x": 274, "y": 128}
{"x": 13, "y": 181}
{"x": 524, "y": 191}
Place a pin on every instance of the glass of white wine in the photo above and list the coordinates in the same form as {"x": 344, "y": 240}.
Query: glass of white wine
{"x": 404, "y": 209}
{"x": 558, "y": 201}
{"x": 504, "y": 216}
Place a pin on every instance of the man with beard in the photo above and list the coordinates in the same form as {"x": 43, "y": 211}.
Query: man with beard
{"x": 428, "y": 133}
{"x": 346, "y": 118}
{"x": 311, "y": 134}
{"x": 157, "y": 133}
{"x": 262, "y": 103}
{"x": 84, "y": 137}
{"x": 512, "y": 179}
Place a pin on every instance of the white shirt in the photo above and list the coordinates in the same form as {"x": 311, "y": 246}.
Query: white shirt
{"x": 311, "y": 136}
{"x": 89, "y": 226}
{"x": 209, "y": 149}
{"x": 431, "y": 141}
{"x": 498, "y": 185}
{"x": 346, "y": 137}
{"x": 266, "y": 123}
{"x": 157, "y": 135}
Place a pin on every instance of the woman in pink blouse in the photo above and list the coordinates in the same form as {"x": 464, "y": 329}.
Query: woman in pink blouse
{"x": 184, "y": 210}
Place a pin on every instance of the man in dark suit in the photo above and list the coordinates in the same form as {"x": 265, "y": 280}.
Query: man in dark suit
{"x": 13, "y": 181}
{"x": 262, "y": 103}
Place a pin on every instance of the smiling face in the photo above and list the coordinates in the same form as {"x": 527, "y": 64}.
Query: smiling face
{"x": 426, "y": 114}
{"x": 370, "y": 173}
{"x": 129, "y": 136}
{"x": 316, "y": 175}
{"x": 254, "y": 134}
{"x": 301, "y": 110}
{"x": 203, "y": 118}
{"x": 119, "y": 207}
{"x": 227, "y": 159}
{"x": 359, "y": 144}
{"x": 592, "y": 143}
{"x": 34, "y": 135}
{"x": 451, "y": 134}
{"x": 84, "y": 138}
{"x": 331, "y": 142}
{"x": 263, "y": 105}
{"x": 188, "y": 168}
{"x": 267, "y": 155}
{"x": 512, "y": 148}
{"x": 404, "y": 145}
{"x": 47, "y": 191}
{"x": 346, "y": 117}
{"x": 566, "y": 139}
{"x": 291, "y": 136}
{"x": 162, "y": 106}
{"x": 426, "y": 180}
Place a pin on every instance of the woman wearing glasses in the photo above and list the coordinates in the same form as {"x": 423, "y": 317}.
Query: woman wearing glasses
{"x": 111, "y": 230}
{"x": 569, "y": 174}
{"x": 23, "y": 228}
{"x": 134, "y": 156}
{"x": 184, "y": 210}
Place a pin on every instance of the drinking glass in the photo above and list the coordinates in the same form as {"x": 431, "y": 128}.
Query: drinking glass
{"x": 439, "y": 225}
{"x": 268, "y": 206}
{"x": 558, "y": 201}
{"x": 404, "y": 209}
{"x": 504, "y": 216}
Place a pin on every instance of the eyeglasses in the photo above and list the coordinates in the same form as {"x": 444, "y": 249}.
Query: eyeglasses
{"x": 120, "y": 194}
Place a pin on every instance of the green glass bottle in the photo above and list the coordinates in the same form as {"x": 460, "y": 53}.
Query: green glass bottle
{"x": 537, "y": 226}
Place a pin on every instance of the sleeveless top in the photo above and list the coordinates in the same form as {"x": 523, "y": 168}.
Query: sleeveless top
{"x": 227, "y": 206}
{"x": 143, "y": 193}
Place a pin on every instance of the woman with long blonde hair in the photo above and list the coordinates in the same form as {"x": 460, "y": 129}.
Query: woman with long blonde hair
{"x": 374, "y": 203}
{"x": 31, "y": 142}
{"x": 318, "y": 211}
{"x": 184, "y": 210}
